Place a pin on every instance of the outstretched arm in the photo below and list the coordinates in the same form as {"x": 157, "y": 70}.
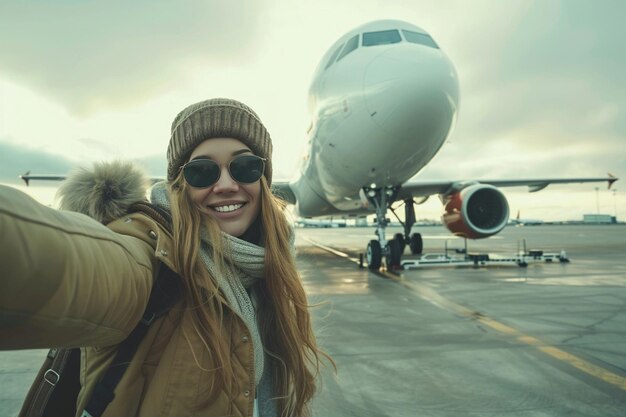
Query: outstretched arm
{"x": 65, "y": 279}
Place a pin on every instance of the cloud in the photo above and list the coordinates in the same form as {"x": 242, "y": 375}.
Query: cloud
{"x": 541, "y": 82}
{"x": 541, "y": 92}
{"x": 508, "y": 159}
{"x": 155, "y": 165}
{"x": 97, "y": 55}
{"x": 554, "y": 66}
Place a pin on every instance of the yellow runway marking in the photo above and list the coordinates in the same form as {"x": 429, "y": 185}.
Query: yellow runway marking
{"x": 435, "y": 298}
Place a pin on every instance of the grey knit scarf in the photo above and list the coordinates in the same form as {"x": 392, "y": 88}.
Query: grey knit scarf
{"x": 244, "y": 267}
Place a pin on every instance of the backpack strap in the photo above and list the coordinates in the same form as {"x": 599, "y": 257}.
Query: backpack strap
{"x": 164, "y": 293}
{"x": 53, "y": 381}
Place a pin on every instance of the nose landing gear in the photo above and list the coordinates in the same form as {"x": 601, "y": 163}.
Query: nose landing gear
{"x": 391, "y": 250}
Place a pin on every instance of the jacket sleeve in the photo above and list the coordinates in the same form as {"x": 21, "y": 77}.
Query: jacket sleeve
{"x": 66, "y": 280}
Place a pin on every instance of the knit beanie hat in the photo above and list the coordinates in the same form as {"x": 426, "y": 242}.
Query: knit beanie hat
{"x": 217, "y": 118}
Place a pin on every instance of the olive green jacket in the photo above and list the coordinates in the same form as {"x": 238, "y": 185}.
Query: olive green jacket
{"x": 68, "y": 281}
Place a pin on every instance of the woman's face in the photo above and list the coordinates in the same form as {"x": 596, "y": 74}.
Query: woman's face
{"x": 233, "y": 205}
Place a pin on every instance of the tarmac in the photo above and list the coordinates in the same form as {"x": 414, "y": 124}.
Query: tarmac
{"x": 545, "y": 340}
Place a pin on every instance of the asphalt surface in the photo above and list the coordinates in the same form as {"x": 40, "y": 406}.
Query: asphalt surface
{"x": 546, "y": 340}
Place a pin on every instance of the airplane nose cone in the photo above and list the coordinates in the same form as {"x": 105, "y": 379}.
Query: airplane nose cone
{"x": 412, "y": 90}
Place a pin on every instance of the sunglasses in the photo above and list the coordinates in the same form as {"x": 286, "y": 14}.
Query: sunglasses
{"x": 203, "y": 173}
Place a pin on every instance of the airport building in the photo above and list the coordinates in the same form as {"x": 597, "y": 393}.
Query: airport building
{"x": 599, "y": 219}
{"x": 361, "y": 222}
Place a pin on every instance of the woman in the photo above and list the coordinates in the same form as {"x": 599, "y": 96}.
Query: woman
{"x": 238, "y": 342}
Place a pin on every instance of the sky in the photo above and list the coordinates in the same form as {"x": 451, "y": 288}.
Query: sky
{"x": 543, "y": 84}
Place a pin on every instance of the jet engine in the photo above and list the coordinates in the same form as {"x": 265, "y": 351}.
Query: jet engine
{"x": 476, "y": 211}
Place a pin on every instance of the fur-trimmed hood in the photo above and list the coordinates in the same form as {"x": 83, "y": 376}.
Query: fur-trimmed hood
{"x": 105, "y": 191}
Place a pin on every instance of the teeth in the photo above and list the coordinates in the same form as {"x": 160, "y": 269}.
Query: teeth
{"x": 227, "y": 209}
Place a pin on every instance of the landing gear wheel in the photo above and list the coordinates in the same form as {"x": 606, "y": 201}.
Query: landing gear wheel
{"x": 416, "y": 244}
{"x": 393, "y": 255}
{"x": 374, "y": 255}
{"x": 400, "y": 238}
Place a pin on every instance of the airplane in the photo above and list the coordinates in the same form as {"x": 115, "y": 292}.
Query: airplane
{"x": 324, "y": 223}
{"x": 383, "y": 100}
{"x": 525, "y": 222}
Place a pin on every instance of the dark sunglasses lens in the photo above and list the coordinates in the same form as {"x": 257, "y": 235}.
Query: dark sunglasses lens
{"x": 201, "y": 173}
{"x": 246, "y": 169}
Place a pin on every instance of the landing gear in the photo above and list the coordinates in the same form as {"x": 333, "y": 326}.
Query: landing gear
{"x": 381, "y": 198}
{"x": 413, "y": 240}
{"x": 392, "y": 250}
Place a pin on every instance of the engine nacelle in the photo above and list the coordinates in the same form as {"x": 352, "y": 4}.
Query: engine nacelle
{"x": 476, "y": 211}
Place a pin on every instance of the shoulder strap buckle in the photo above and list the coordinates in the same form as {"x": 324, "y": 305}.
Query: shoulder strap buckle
{"x": 148, "y": 318}
{"x": 52, "y": 377}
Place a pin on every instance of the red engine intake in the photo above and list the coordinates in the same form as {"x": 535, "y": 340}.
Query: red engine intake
{"x": 476, "y": 211}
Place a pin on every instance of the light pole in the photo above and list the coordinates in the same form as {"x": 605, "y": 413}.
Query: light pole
{"x": 615, "y": 203}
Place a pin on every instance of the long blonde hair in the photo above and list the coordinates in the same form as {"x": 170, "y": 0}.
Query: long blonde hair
{"x": 285, "y": 322}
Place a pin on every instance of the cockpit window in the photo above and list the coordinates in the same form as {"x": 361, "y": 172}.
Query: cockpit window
{"x": 381, "y": 38}
{"x": 420, "y": 38}
{"x": 351, "y": 45}
{"x": 333, "y": 57}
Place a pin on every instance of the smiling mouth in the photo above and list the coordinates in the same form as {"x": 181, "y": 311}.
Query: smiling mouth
{"x": 228, "y": 208}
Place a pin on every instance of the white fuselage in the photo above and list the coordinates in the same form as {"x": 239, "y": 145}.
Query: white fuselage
{"x": 379, "y": 115}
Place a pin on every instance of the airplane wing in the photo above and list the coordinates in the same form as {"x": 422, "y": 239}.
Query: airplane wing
{"x": 282, "y": 190}
{"x": 409, "y": 189}
{"x": 28, "y": 177}
{"x": 427, "y": 188}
